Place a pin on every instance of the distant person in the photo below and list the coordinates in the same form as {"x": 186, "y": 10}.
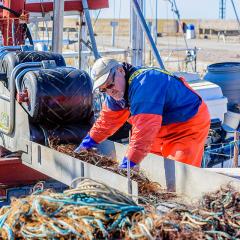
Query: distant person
{"x": 168, "y": 117}
{"x": 184, "y": 27}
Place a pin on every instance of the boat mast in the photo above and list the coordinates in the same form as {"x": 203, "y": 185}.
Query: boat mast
{"x": 135, "y": 5}
{"x": 57, "y": 36}
{"x": 136, "y": 36}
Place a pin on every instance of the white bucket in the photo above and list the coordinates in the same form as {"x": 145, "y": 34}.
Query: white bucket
{"x": 232, "y": 119}
{"x": 190, "y": 34}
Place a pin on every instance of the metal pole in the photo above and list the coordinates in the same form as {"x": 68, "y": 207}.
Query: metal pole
{"x": 79, "y": 39}
{"x": 90, "y": 29}
{"x": 129, "y": 171}
{"x": 113, "y": 36}
{"x": 13, "y": 33}
{"x": 136, "y": 38}
{"x": 148, "y": 34}
{"x": 156, "y": 21}
{"x": 114, "y": 24}
{"x": 57, "y": 36}
{"x": 82, "y": 47}
{"x": 144, "y": 43}
{"x": 195, "y": 59}
{"x": 236, "y": 149}
{"x": 222, "y": 9}
{"x": 150, "y": 51}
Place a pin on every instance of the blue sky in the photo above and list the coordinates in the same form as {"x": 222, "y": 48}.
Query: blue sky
{"x": 194, "y": 9}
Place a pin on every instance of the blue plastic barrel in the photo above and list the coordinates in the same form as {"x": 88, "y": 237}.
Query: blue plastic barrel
{"x": 227, "y": 76}
{"x": 190, "y": 27}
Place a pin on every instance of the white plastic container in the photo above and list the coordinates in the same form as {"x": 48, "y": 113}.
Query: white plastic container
{"x": 213, "y": 97}
{"x": 232, "y": 119}
{"x": 217, "y": 108}
{"x": 190, "y": 33}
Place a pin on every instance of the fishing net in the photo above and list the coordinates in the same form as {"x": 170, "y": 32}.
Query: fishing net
{"x": 90, "y": 211}
{"x": 217, "y": 216}
{"x": 93, "y": 210}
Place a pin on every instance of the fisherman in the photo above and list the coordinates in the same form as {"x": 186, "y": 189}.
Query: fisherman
{"x": 168, "y": 117}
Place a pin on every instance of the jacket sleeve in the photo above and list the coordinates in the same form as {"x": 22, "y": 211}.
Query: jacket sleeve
{"x": 145, "y": 128}
{"x": 108, "y": 123}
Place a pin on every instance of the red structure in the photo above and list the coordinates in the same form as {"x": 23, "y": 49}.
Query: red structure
{"x": 69, "y": 5}
{"x": 14, "y": 173}
{"x": 14, "y": 15}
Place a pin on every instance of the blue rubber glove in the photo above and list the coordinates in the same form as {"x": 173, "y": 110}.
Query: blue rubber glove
{"x": 124, "y": 163}
{"x": 87, "y": 143}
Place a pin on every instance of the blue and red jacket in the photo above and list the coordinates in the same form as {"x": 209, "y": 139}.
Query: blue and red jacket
{"x": 153, "y": 98}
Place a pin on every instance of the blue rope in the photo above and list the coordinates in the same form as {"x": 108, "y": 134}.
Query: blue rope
{"x": 107, "y": 215}
{"x": 9, "y": 231}
{"x": 3, "y": 218}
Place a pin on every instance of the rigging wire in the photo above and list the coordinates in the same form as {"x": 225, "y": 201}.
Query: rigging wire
{"x": 175, "y": 10}
{"x": 97, "y": 17}
{"x": 235, "y": 11}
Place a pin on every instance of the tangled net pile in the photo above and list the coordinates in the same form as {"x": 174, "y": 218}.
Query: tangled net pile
{"x": 216, "y": 217}
{"x": 95, "y": 211}
{"x": 90, "y": 211}
{"x": 149, "y": 192}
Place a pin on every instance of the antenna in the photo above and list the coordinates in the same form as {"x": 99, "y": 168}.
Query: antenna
{"x": 222, "y": 9}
